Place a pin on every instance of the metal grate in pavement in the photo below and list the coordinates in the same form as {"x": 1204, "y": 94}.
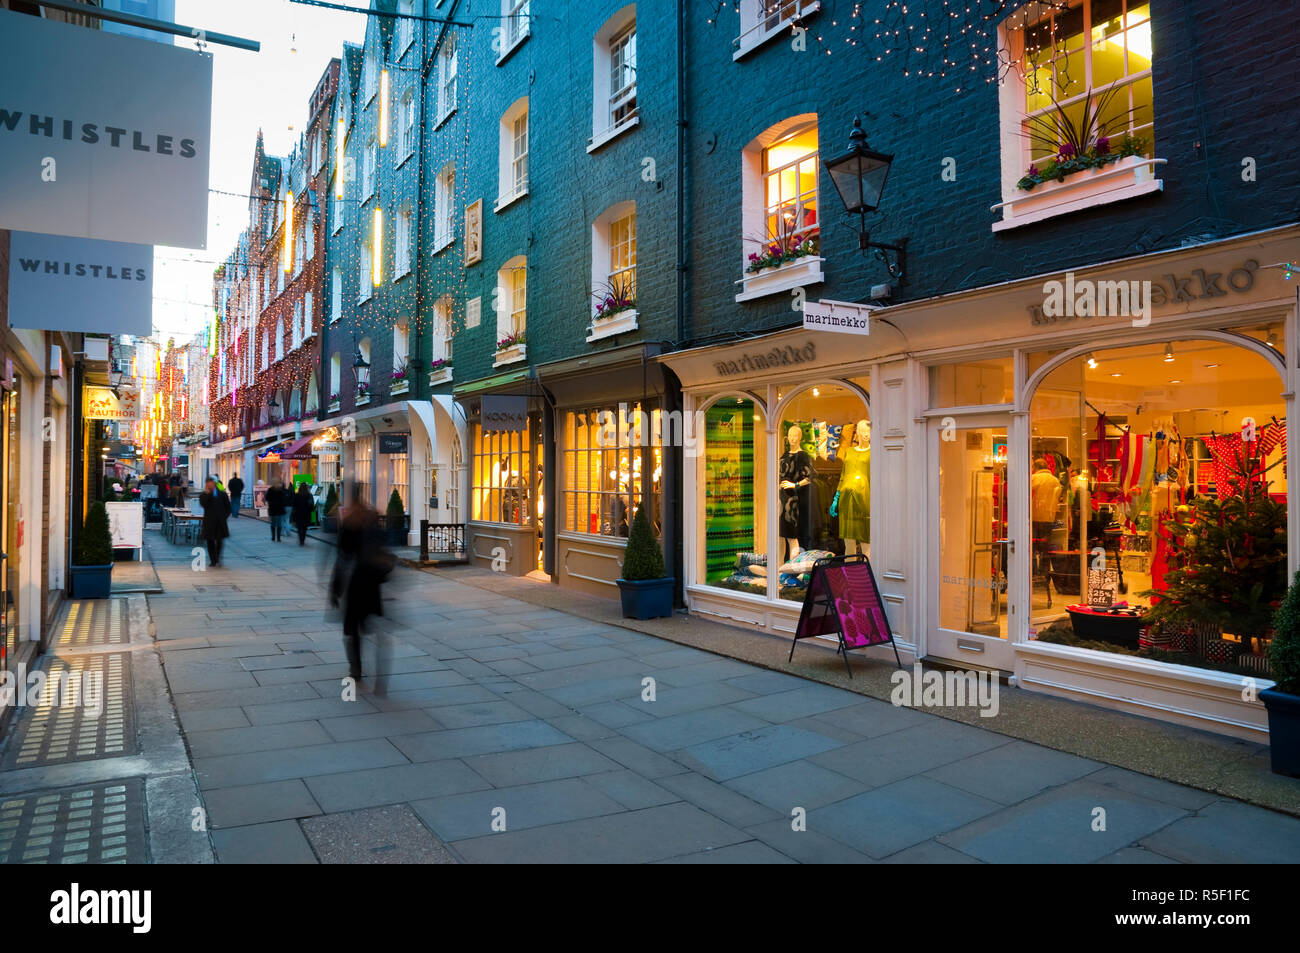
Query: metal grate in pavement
{"x": 85, "y": 712}
{"x": 90, "y": 824}
{"x": 94, "y": 622}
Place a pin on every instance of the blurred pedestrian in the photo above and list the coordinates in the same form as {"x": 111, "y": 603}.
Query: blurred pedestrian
{"x": 216, "y": 510}
{"x": 303, "y": 504}
{"x": 236, "y": 494}
{"x": 276, "y": 502}
{"x": 362, "y": 565}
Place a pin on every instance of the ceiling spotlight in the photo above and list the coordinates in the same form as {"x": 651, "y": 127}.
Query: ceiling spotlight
{"x": 1272, "y": 339}
{"x": 1176, "y": 381}
{"x": 1211, "y": 365}
{"x": 1169, "y": 353}
{"x": 1092, "y": 361}
{"x": 1115, "y": 374}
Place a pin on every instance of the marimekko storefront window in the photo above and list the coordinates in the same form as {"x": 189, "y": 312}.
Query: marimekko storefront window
{"x": 1157, "y": 497}
{"x": 610, "y": 468}
{"x": 821, "y": 501}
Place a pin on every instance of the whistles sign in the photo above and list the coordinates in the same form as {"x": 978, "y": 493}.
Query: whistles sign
{"x": 102, "y": 136}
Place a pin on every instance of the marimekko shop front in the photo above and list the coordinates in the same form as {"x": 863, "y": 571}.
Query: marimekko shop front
{"x": 1010, "y": 471}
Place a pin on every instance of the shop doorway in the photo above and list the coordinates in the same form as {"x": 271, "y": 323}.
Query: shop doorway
{"x": 971, "y": 554}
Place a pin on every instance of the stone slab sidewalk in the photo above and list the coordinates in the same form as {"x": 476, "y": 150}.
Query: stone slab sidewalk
{"x": 504, "y": 731}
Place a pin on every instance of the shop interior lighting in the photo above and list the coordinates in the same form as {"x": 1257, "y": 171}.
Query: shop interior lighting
{"x": 1169, "y": 353}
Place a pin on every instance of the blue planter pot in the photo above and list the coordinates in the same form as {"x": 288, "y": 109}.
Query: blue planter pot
{"x": 1283, "y": 730}
{"x": 647, "y": 598}
{"x": 91, "y": 582}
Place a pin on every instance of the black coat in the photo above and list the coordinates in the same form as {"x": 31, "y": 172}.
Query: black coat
{"x": 276, "y": 501}
{"x": 216, "y": 510}
{"x": 237, "y": 486}
{"x": 303, "y": 504}
{"x": 362, "y": 566}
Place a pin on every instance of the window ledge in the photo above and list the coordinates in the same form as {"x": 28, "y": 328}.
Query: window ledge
{"x": 440, "y": 376}
{"x": 510, "y": 198}
{"x": 1128, "y": 178}
{"x": 399, "y": 387}
{"x": 362, "y": 401}
{"x": 759, "y": 34}
{"x": 519, "y": 41}
{"x": 440, "y": 242}
{"x": 333, "y": 407}
{"x": 613, "y": 132}
{"x": 443, "y": 117}
{"x": 620, "y": 323}
{"x": 510, "y": 355}
{"x": 401, "y": 274}
{"x": 793, "y": 274}
{"x": 402, "y": 161}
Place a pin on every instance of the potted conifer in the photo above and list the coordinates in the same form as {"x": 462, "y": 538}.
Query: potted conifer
{"x": 91, "y": 574}
{"x": 647, "y": 593}
{"x": 395, "y": 520}
{"x": 330, "y": 521}
{"x": 1283, "y": 699}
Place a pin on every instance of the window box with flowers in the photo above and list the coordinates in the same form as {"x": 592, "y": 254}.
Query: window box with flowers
{"x": 401, "y": 382}
{"x": 363, "y": 395}
{"x": 439, "y": 372}
{"x": 510, "y": 350}
{"x": 781, "y": 264}
{"x": 615, "y": 309}
{"x": 334, "y": 403}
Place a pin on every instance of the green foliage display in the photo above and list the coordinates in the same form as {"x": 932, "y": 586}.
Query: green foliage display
{"x": 643, "y": 558}
{"x": 1284, "y": 650}
{"x": 332, "y": 501}
{"x": 396, "y": 514}
{"x": 107, "y": 494}
{"x": 95, "y": 545}
{"x": 1229, "y": 566}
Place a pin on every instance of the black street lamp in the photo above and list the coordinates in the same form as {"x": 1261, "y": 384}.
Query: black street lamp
{"x": 859, "y": 177}
{"x": 361, "y": 368}
{"x": 273, "y": 407}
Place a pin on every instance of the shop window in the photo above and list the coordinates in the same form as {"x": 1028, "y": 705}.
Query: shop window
{"x": 612, "y": 465}
{"x": 503, "y": 481}
{"x": 1093, "y": 56}
{"x": 1158, "y": 503}
{"x": 735, "y": 477}
{"x": 972, "y": 383}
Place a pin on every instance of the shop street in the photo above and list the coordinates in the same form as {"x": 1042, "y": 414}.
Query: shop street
{"x": 507, "y": 732}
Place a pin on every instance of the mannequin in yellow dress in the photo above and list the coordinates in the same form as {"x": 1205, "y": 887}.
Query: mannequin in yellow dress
{"x": 853, "y": 498}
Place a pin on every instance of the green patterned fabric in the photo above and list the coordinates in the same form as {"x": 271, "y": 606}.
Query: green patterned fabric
{"x": 728, "y": 486}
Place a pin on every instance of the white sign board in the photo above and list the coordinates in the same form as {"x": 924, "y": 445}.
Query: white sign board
{"x": 326, "y": 448}
{"x": 71, "y": 284}
{"x": 102, "y": 404}
{"x": 126, "y": 524}
{"x": 842, "y": 316}
{"x": 102, "y": 136}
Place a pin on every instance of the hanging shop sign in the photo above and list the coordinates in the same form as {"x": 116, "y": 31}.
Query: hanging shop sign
{"x": 70, "y": 284}
{"x": 844, "y": 317}
{"x": 502, "y": 412}
{"x": 123, "y": 161}
{"x": 392, "y": 442}
{"x": 102, "y": 404}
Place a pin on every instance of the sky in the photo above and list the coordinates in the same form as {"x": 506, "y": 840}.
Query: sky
{"x": 268, "y": 90}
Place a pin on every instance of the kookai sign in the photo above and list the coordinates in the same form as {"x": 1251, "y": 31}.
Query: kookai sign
{"x": 102, "y": 136}
{"x": 504, "y": 413}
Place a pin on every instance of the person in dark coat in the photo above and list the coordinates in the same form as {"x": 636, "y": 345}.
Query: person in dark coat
{"x": 361, "y": 567}
{"x": 236, "y": 494}
{"x": 303, "y": 504}
{"x": 216, "y": 510}
{"x": 276, "y": 503}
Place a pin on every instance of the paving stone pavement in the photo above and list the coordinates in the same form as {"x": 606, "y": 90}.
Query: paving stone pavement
{"x": 500, "y": 731}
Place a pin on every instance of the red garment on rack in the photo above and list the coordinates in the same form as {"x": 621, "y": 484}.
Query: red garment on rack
{"x": 1227, "y": 451}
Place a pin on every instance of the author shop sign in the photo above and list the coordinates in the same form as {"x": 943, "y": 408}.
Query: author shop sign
{"x": 69, "y": 284}
{"x": 125, "y": 160}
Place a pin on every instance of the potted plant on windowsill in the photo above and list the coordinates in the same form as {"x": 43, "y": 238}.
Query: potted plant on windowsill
{"x": 786, "y": 258}
{"x": 510, "y": 348}
{"x": 1283, "y": 699}
{"x": 646, "y": 592}
{"x": 439, "y": 371}
{"x": 615, "y": 308}
{"x": 395, "y": 520}
{"x": 401, "y": 383}
{"x": 91, "y": 574}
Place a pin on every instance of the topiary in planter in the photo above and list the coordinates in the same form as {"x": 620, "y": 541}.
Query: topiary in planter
{"x": 643, "y": 558}
{"x": 1284, "y": 649}
{"x": 332, "y": 501}
{"x": 95, "y": 545}
{"x": 395, "y": 519}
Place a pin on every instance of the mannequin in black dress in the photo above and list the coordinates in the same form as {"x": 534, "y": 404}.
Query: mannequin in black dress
{"x": 795, "y": 479}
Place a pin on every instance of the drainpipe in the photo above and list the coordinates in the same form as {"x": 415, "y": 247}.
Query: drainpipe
{"x": 672, "y": 388}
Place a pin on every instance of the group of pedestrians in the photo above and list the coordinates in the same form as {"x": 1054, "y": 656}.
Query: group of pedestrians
{"x": 281, "y": 501}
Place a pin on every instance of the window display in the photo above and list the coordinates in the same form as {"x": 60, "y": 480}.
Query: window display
{"x": 607, "y": 457}
{"x": 1158, "y": 503}
{"x": 501, "y": 471}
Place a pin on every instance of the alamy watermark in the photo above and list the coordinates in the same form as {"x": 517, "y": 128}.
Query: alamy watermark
{"x": 1085, "y": 298}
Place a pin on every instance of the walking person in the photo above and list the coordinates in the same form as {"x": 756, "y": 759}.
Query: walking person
{"x": 216, "y": 510}
{"x": 276, "y": 499}
{"x": 236, "y": 494}
{"x": 302, "y": 507}
{"x": 361, "y": 567}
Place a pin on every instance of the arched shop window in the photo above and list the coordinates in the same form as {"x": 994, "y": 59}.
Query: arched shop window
{"x": 821, "y": 500}
{"x": 1158, "y": 481}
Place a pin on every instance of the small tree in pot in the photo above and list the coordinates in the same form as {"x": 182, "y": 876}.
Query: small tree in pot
{"x": 647, "y": 593}
{"x": 330, "y": 520}
{"x": 395, "y": 520}
{"x": 91, "y": 574}
{"x": 1283, "y": 699}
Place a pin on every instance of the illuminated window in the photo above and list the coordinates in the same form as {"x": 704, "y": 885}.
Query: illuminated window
{"x": 790, "y": 188}
{"x": 503, "y": 483}
{"x": 610, "y": 468}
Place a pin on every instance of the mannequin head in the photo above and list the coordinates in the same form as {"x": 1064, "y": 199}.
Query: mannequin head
{"x": 1040, "y": 464}
{"x": 862, "y": 433}
{"x": 794, "y": 437}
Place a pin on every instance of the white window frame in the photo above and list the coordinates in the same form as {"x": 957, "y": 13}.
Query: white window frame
{"x": 512, "y": 297}
{"x": 444, "y": 208}
{"x": 405, "y": 32}
{"x": 512, "y": 173}
{"x": 401, "y": 345}
{"x": 406, "y": 131}
{"x": 617, "y": 30}
{"x": 365, "y": 279}
{"x": 441, "y": 342}
{"x": 369, "y": 170}
{"x": 448, "y": 70}
{"x": 402, "y": 233}
{"x": 604, "y": 252}
{"x": 336, "y": 295}
{"x": 516, "y": 27}
{"x": 307, "y": 329}
{"x": 761, "y": 20}
{"x": 295, "y": 338}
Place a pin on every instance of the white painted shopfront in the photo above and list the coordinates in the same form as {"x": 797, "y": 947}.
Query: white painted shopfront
{"x": 966, "y": 398}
